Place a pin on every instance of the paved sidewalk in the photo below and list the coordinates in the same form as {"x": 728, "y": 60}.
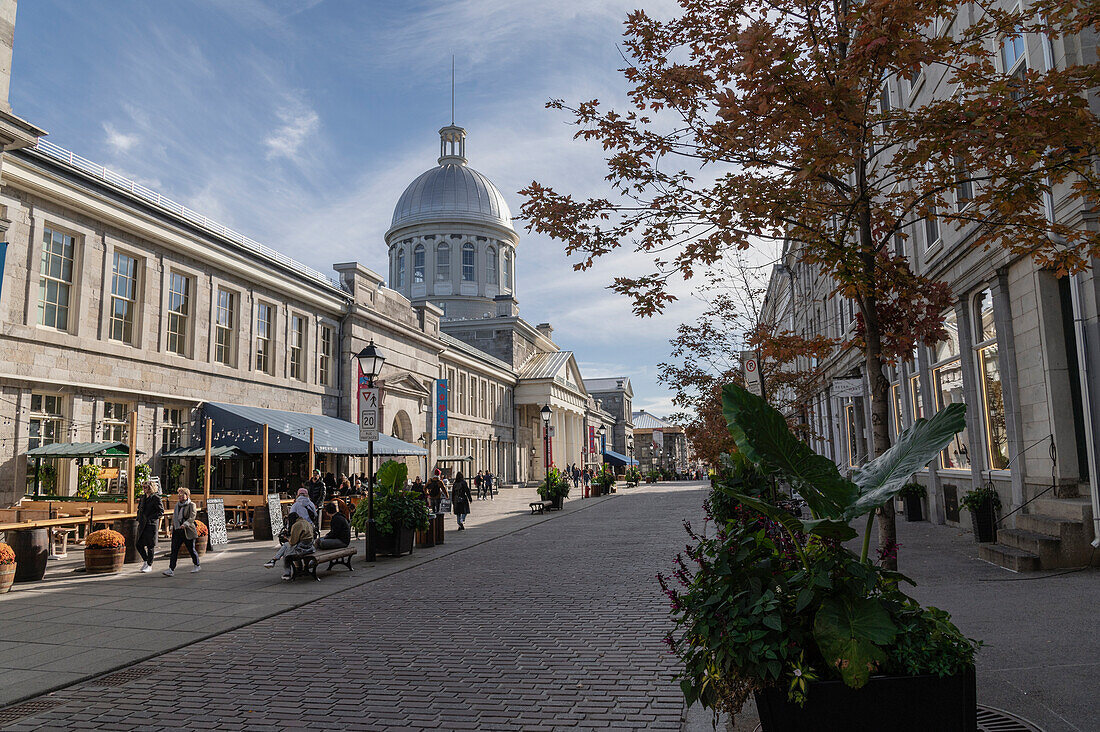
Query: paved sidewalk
{"x": 523, "y": 623}
{"x": 72, "y": 626}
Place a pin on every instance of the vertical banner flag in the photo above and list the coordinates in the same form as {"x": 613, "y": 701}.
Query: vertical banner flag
{"x": 3, "y": 252}
{"x": 441, "y": 409}
{"x": 592, "y": 438}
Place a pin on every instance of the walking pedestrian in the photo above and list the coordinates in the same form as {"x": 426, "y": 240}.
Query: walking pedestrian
{"x": 184, "y": 532}
{"x": 477, "y": 486}
{"x": 460, "y": 501}
{"x": 489, "y": 478}
{"x": 436, "y": 492}
{"x": 316, "y": 489}
{"x": 149, "y": 512}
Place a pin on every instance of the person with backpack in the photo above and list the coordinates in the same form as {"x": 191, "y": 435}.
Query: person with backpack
{"x": 460, "y": 501}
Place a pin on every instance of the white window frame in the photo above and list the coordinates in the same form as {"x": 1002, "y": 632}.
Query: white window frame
{"x": 49, "y": 274}
{"x": 126, "y": 324}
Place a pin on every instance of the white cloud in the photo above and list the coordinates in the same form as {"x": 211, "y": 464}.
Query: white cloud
{"x": 120, "y": 142}
{"x": 299, "y": 123}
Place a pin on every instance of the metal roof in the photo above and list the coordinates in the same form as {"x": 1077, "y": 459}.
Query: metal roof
{"x": 643, "y": 420}
{"x": 452, "y": 192}
{"x": 82, "y": 450}
{"x": 545, "y": 365}
{"x": 221, "y": 452}
{"x": 474, "y": 351}
{"x": 605, "y": 384}
{"x": 288, "y": 432}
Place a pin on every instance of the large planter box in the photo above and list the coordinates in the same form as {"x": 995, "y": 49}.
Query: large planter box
{"x": 395, "y": 544}
{"x": 104, "y": 561}
{"x": 32, "y": 548}
{"x": 895, "y": 703}
{"x": 984, "y": 521}
{"x": 914, "y": 508}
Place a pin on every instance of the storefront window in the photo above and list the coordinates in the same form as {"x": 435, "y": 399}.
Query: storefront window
{"x": 993, "y": 405}
{"x": 915, "y": 396}
{"x": 948, "y": 385}
{"x": 895, "y": 398}
{"x": 853, "y": 436}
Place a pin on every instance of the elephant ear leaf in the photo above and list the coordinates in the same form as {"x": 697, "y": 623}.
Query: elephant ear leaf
{"x": 825, "y": 528}
{"x": 882, "y": 478}
{"x": 762, "y": 435}
{"x": 850, "y": 633}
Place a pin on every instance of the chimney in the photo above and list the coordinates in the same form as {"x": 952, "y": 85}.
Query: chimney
{"x": 544, "y": 329}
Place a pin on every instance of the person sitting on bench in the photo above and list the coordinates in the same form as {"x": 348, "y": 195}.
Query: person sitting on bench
{"x": 339, "y": 535}
{"x": 299, "y": 541}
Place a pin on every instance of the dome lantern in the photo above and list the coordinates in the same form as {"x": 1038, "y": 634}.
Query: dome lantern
{"x": 452, "y": 145}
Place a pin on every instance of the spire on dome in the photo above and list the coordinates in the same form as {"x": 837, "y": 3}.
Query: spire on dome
{"x": 452, "y": 145}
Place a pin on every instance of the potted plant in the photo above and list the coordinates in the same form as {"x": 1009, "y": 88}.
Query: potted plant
{"x": 142, "y": 473}
{"x": 175, "y": 470}
{"x": 104, "y": 552}
{"x": 554, "y": 488}
{"x": 398, "y": 513}
{"x": 775, "y": 606}
{"x": 88, "y": 483}
{"x": 652, "y": 476}
{"x": 202, "y": 537}
{"x": 7, "y": 567}
{"x": 604, "y": 482}
{"x": 983, "y": 504}
{"x": 633, "y": 476}
{"x": 912, "y": 494}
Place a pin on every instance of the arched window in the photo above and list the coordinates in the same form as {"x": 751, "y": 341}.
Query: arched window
{"x": 469, "y": 263}
{"x": 399, "y": 275}
{"x": 507, "y": 270}
{"x": 418, "y": 265}
{"x": 443, "y": 262}
{"x": 491, "y": 266}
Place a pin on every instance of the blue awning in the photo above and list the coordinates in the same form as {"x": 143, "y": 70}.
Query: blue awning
{"x": 617, "y": 458}
{"x": 288, "y": 432}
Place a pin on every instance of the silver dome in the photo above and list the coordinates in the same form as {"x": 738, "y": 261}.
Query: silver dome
{"x": 452, "y": 192}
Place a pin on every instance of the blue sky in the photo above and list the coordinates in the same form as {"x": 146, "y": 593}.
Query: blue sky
{"x": 299, "y": 123}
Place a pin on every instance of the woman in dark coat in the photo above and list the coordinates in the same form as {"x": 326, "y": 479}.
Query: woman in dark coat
{"x": 460, "y": 500}
{"x": 149, "y": 511}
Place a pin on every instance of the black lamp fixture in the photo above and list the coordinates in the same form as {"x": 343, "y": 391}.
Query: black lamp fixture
{"x": 545, "y": 413}
{"x": 370, "y": 360}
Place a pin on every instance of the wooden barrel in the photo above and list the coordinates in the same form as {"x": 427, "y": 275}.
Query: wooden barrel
{"x": 32, "y": 549}
{"x": 261, "y": 523}
{"x": 7, "y": 576}
{"x": 200, "y": 544}
{"x": 104, "y": 561}
{"x": 426, "y": 537}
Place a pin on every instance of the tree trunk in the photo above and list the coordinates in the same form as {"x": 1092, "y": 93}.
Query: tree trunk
{"x": 880, "y": 426}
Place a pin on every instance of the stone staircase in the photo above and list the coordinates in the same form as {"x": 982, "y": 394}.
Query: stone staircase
{"x": 1056, "y": 533}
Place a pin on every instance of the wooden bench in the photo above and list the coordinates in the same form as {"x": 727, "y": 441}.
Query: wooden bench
{"x": 540, "y": 506}
{"x": 307, "y": 563}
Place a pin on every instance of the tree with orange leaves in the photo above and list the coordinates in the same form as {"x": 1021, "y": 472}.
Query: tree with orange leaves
{"x": 764, "y": 120}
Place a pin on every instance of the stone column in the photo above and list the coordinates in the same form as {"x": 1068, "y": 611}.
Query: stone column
{"x": 971, "y": 394}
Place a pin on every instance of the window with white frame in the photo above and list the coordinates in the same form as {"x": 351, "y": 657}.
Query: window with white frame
{"x": 264, "y": 329}
{"x": 947, "y": 387}
{"x": 297, "y": 346}
{"x": 179, "y": 313}
{"x": 171, "y": 428}
{"x": 469, "y": 263}
{"x": 56, "y": 279}
{"x": 225, "y": 328}
{"x": 120, "y": 326}
{"x": 989, "y": 373}
{"x": 443, "y": 262}
{"x": 399, "y": 272}
{"x": 964, "y": 186}
{"x": 45, "y": 426}
{"x": 114, "y": 422}
{"x": 324, "y": 361}
{"x": 508, "y": 270}
{"x": 418, "y": 264}
{"x": 931, "y": 224}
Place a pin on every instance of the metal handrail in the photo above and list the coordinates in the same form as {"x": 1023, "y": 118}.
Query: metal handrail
{"x": 136, "y": 189}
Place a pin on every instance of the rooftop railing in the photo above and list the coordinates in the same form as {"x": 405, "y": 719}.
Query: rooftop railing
{"x": 146, "y": 194}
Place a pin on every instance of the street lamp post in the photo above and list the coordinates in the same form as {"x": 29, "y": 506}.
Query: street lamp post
{"x": 546, "y": 413}
{"x": 370, "y": 363}
{"x": 630, "y": 446}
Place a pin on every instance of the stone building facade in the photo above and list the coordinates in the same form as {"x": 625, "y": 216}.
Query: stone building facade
{"x": 1021, "y": 345}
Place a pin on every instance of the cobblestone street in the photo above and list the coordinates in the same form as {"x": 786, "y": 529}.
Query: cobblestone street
{"x": 552, "y": 626}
